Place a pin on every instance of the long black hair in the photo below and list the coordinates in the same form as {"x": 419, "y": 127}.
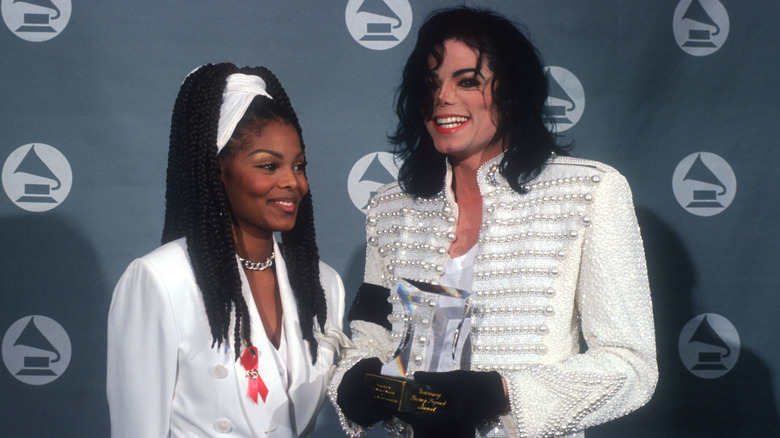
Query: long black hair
{"x": 197, "y": 207}
{"x": 519, "y": 90}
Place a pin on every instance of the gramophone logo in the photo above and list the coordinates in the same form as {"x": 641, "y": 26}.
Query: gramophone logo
{"x": 36, "y": 350}
{"x": 709, "y": 346}
{"x": 36, "y": 20}
{"x": 704, "y": 184}
{"x": 37, "y": 177}
{"x": 379, "y": 24}
{"x": 566, "y": 99}
{"x": 369, "y": 174}
{"x": 700, "y": 26}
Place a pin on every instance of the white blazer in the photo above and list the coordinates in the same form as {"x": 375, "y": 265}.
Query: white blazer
{"x": 164, "y": 378}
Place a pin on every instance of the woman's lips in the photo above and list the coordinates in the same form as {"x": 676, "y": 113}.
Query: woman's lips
{"x": 286, "y": 205}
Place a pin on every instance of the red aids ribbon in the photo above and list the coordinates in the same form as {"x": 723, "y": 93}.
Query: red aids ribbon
{"x": 256, "y": 385}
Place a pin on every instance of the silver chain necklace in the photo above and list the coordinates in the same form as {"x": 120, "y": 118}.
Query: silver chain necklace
{"x": 256, "y": 266}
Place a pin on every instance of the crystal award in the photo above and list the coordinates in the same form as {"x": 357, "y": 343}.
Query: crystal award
{"x": 436, "y": 338}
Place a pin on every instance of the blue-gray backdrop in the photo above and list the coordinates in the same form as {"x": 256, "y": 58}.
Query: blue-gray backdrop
{"x": 679, "y": 95}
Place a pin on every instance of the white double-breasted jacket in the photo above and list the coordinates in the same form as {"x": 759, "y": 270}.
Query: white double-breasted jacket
{"x": 560, "y": 264}
{"x": 166, "y": 380}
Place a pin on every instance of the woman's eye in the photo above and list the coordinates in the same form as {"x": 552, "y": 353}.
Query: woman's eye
{"x": 300, "y": 166}
{"x": 266, "y": 166}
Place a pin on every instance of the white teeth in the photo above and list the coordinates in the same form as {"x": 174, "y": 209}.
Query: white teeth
{"x": 286, "y": 203}
{"x": 451, "y": 122}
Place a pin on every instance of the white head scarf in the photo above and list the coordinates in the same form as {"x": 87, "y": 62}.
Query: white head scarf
{"x": 239, "y": 92}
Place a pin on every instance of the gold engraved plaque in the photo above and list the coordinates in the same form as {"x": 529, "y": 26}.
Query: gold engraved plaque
{"x": 405, "y": 395}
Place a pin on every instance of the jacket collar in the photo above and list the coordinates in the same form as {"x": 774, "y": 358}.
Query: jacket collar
{"x": 489, "y": 178}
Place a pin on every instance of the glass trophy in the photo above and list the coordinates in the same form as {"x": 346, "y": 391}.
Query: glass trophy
{"x": 436, "y": 338}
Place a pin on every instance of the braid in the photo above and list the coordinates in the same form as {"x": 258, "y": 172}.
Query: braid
{"x": 197, "y": 208}
{"x": 302, "y": 258}
{"x": 299, "y": 245}
{"x": 196, "y": 204}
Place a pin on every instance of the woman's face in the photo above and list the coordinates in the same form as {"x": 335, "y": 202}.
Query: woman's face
{"x": 463, "y": 122}
{"x": 264, "y": 179}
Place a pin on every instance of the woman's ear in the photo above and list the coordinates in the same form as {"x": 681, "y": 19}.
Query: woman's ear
{"x": 225, "y": 158}
{"x": 222, "y": 169}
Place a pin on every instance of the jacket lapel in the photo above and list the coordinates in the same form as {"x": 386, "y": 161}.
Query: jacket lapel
{"x": 299, "y": 360}
{"x": 273, "y": 414}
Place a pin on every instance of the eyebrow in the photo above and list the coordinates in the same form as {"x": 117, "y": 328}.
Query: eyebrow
{"x": 462, "y": 72}
{"x": 274, "y": 153}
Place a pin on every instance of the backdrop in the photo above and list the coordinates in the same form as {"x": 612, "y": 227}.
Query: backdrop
{"x": 679, "y": 95}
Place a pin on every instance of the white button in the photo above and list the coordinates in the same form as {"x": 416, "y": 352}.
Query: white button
{"x": 223, "y": 425}
{"x": 220, "y": 372}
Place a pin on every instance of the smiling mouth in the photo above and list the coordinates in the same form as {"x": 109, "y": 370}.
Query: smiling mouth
{"x": 286, "y": 205}
{"x": 450, "y": 122}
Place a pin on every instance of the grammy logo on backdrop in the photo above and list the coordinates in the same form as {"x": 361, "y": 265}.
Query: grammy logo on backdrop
{"x": 36, "y": 177}
{"x": 379, "y": 31}
{"x": 704, "y": 198}
{"x": 378, "y": 24}
{"x": 368, "y": 174}
{"x": 700, "y": 26}
{"x": 37, "y": 364}
{"x": 704, "y": 184}
{"x": 37, "y": 192}
{"x": 36, "y": 350}
{"x": 710, "y": 360}
{"x": 560, "y": 104}
{"x": 709, "y": 346}
{"x": 565, "y": 102}
{"x": 700, "y": 37}
{"x": 39, "y": 22}
{"x": 36, "y": 20}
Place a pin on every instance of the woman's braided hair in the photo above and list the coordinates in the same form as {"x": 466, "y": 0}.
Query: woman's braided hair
{"x": 197, "y": 207}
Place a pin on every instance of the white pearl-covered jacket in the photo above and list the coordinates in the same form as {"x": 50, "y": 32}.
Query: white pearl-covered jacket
{"x": 561, "y": 263}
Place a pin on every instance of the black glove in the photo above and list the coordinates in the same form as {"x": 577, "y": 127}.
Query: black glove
{"x": 354, "y": 396}
{"x": 371, "y": 305}
{"x": 472, "y": 397}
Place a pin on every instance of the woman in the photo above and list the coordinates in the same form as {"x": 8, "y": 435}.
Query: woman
{"x": 222, "y": 328}
{"x": 549, "y": 246}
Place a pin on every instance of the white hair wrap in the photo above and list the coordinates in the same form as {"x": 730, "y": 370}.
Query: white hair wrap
{"x": 239, "y": 92}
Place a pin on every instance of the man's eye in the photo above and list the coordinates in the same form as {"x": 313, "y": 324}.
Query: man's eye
{"x": 469, "y": 83}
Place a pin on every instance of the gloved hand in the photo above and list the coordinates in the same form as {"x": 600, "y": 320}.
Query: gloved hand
{"x": 472, "y": 397}
{"x": 354, "y": 396}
